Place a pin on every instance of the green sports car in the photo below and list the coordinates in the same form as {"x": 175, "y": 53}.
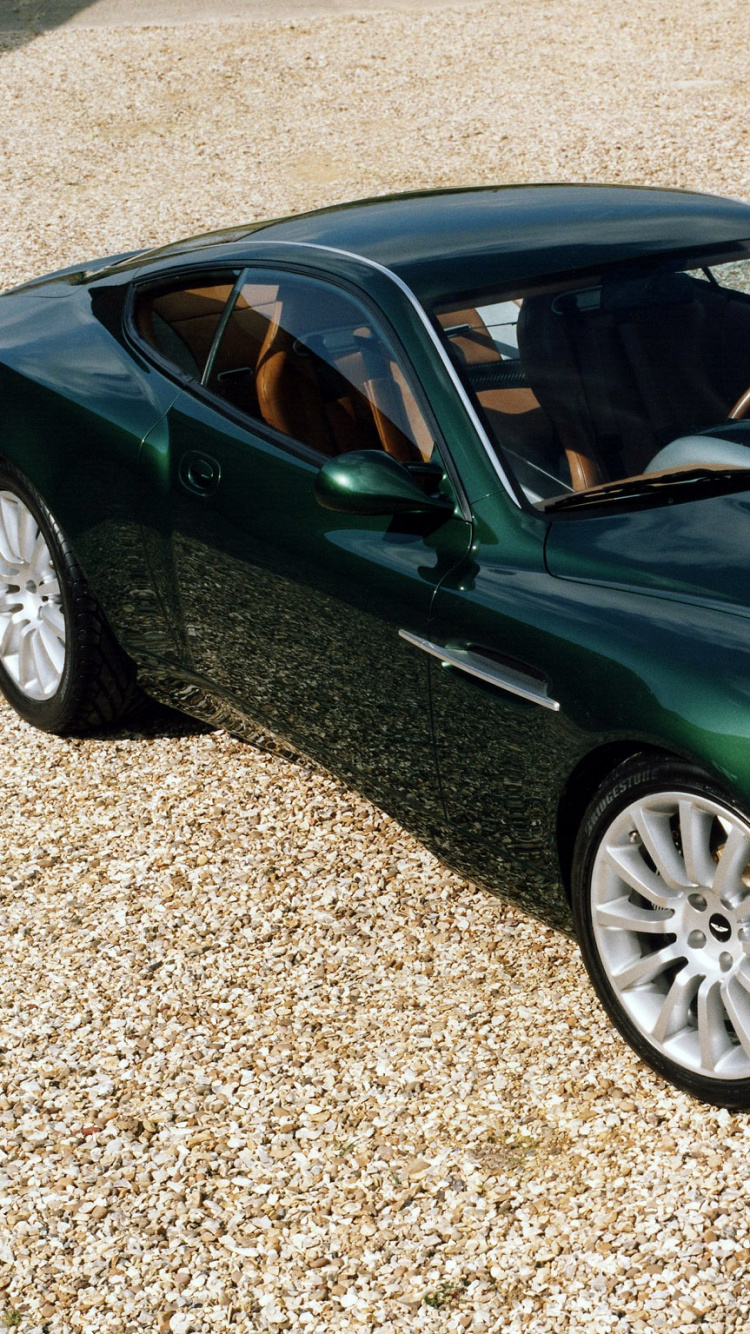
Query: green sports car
{"x": 451, "y": 491}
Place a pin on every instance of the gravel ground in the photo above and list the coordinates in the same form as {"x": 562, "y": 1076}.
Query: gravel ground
{"x": 36, "y": 16}
{"x": 266, "y": 1065}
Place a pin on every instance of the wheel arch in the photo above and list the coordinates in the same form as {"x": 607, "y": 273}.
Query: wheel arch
{"x": 583, "y": 782}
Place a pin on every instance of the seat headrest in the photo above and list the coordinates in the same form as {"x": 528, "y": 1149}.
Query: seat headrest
{"x": 654, "y": 289}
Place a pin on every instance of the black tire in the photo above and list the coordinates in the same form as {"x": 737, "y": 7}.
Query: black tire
{"x": 643, "y": 783}
{"x": 97, "y": 685}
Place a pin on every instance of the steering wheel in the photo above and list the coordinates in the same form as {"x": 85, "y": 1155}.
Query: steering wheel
{"x": 741, "y": 407}
{"x": 693, "y": 450}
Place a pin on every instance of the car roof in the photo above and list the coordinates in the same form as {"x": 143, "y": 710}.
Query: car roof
{"x": 448, "y": 242}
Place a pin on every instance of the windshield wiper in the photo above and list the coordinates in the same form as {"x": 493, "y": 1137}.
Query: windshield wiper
{"x": 659, "y": 489}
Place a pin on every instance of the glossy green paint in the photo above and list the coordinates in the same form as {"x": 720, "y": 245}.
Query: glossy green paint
{"x": 687, "y": 551}
{"x": 446, "y": 241}
{"x": 290, "y": 612}
{"x": 252, "y": 601}
{"x": 75, "y": 407}
{"x": 451, "y": 241}
{"x": 628, "y": 669}
{"x": 371, "y": 482}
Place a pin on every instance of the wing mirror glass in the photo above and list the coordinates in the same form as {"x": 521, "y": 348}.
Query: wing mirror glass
{"x": 372, "y": 482}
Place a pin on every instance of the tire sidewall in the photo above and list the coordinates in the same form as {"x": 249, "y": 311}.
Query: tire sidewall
{"x": 641, "y": 777}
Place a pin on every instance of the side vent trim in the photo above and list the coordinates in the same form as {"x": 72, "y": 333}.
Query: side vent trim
{"x": 484, "y": 669}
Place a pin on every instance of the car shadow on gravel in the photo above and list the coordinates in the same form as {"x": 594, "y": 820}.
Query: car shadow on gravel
{"x": 23, "y": 20}
{"x": 148, "y": 720}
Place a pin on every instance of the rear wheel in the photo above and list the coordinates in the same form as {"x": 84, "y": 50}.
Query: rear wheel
{"x": 661, "y": 900}
{"x": 60, "y": 666}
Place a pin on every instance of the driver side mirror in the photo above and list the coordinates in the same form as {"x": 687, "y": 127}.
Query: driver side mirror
{"x": 370, "y": 481}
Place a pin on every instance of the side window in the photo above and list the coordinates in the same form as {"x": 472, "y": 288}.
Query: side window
{"x": 588, "y": 382}
{"x": 308, "y": 360}
{"x": 180, "y": 321}
{"x": 735, "y": 275}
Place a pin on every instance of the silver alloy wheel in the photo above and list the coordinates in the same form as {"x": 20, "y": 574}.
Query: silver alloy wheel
{"x": 670, "y": 909}
{"x": 32, "y": 624}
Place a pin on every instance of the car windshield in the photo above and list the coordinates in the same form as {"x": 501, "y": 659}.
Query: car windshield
{"x": 605, "y": 386}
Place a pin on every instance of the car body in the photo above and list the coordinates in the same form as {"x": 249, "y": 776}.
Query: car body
{"x": 479, "y": 664}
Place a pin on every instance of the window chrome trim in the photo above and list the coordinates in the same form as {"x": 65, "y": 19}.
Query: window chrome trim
{"x": 475, "y": 664}
{"x": 425, "y": 320}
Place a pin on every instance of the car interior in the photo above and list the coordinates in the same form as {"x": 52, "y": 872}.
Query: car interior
{"x": 181, "y": 324}
{"x": 297, "y": 354}
{"x": 580, "y": 385}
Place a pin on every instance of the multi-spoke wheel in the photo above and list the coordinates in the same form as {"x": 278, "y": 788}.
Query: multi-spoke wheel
{"x": 661, "y": 886}
{"x": 32, "y": 624}
{"x": 60, "y": 666}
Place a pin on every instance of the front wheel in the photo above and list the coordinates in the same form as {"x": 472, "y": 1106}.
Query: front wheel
{"x": 60, "y": 666}
{"x": 661, "y": 901}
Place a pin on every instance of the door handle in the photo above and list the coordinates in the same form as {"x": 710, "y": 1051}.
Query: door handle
{"x": 200, "y": 473}
{"x": 512, "y": 679}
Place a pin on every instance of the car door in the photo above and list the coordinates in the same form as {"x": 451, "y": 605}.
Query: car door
{"x": 507, "y": 738}
{"x": 290, "y": 611}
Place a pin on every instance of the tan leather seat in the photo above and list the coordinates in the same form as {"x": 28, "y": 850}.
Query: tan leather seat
{"x": 420, "y": 431}
{"x": 233, "y": 371}
{"x": 181, "y": 325}
{"x": 385, "y": 398}
{"x": 514, "y": 415}
{"x": 306, "y": 397}
{"x": 292, "y": 397}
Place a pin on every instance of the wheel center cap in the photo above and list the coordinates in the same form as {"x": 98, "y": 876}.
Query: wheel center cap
{"x": 719, "y": 927}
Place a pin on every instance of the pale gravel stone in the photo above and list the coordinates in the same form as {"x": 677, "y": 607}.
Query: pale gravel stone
{"x": 267, "y": 1066}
